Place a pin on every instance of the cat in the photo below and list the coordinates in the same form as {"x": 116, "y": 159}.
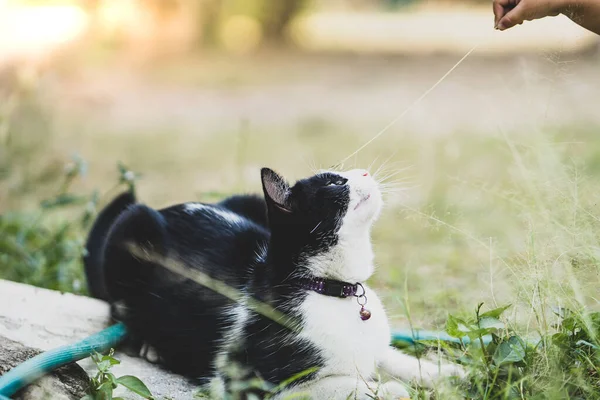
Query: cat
{"x": 303, "y": 250}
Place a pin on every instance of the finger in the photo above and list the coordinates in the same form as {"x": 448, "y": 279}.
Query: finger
{"x": 498, "y": 11}
{"x": 501, "y": 7}
{"x": 512, "y": 18}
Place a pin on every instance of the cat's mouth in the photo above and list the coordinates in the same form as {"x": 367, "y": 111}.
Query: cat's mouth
{"x": 363, "y": 200}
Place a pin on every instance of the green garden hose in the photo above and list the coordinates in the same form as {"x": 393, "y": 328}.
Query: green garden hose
{"x": 32, "y": 369}
{"x": 410, "y": 337}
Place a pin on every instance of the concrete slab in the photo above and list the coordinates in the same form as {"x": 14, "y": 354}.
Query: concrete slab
{"x": 46, "y": 319}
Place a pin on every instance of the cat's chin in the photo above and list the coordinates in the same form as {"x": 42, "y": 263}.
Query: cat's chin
{"x": 365, "y": 197}
{"x": 366, "y": 209}
{"x": 371, "y": 213}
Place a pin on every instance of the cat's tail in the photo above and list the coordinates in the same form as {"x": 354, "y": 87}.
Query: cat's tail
{"x": 93, "y": 259}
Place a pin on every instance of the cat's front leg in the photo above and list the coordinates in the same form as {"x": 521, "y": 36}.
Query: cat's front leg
{"x": 346, "y": 388}
{"x": 407, "y": 368}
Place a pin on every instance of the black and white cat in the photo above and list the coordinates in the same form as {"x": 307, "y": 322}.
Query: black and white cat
{"x": 304, "y": 250}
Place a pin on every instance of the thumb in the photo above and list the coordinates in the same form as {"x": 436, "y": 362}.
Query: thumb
{"x": 512, "y": 18}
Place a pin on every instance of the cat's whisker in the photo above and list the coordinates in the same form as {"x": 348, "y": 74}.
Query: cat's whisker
{"x": 384, "y": 164}
{"x": 394, "y": 195}
{"x": 393, "y": 173}
{"x": 371, "y": 165}
{"x": 381, "y": 169}
{"x": 315, "y": 228}
{"x": 337, "y": 167}
{"x": 384, "y": 179}
{"x": 400, "y": 185}
{"x": 395, "y": 184}
{"x": 388, "y": 179}
{"x": 312, "y": 165}
{"x": 394, "y": 187}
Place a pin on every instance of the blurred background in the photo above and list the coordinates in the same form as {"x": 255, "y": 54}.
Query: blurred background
{"x": 491, "y": 179}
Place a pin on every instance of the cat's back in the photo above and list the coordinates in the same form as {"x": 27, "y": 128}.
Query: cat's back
{"x": 219, "y": 236}
{"x": 209, "y": 221}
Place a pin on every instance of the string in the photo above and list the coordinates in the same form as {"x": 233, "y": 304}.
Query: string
{"x": 413, "y": 104}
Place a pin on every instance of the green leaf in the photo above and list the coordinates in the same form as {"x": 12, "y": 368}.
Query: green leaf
{"x": 64, "y": 199}
{"x": 456, "y": 327}
{"x": 478, "y": 333}
{"x": 88, "y": 397}
{"x": 111, "y": 360}
{"x": 561, "y": 312}
{"x": 104, "y": 392}
{"x": 296, "y": 377}
{"x": 560, "y": 338}
{"x": 569, "y": 324}
{"x": 135, "y": 385}
{"x": 104, "y": 365}
{"x": 94, "y": 381}
{"x": 112, "y": 379}
{"x": 96, "y": 357}
{"x": 513, "y": 350}
{"x": 237, "y": 386}
{"x": 495, "y": 313}
{"x": 490, "y": 323}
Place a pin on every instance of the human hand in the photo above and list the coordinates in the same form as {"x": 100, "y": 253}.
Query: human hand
{"x": 508, "y": 13}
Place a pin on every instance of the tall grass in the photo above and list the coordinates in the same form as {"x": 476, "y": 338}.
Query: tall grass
{"x": 543, "y": 258}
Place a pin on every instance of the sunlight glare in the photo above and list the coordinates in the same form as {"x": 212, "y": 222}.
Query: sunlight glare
{"x": 34, "y": 31}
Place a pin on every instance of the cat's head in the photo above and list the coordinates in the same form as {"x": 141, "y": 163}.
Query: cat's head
{"x": 318, "y": 213}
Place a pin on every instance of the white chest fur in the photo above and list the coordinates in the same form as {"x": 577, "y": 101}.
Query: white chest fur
{"x": 348, "y": 345}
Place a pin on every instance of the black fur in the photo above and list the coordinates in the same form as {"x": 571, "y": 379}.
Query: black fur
{"x": 252, "y": 207}
{"x": 94, "y": 260}
{"x": 187, "y": 323}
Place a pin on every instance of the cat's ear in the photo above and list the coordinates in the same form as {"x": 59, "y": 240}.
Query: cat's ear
{"x": 276, "y": 190}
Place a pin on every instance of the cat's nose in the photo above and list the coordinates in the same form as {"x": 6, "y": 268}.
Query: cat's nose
{"x": 366, "y": 173}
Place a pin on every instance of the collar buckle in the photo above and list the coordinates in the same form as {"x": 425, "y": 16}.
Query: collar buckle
{"x": 335, "y": 289}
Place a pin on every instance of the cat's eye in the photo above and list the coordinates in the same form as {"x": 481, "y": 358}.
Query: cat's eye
{"x": 338, "y": 182}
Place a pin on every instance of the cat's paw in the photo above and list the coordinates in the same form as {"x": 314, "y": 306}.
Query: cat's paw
{"x": 431, "y": 373}
{"x": 393, "y": 390}
{"x": 150, "y": 354}
{"x": 452, "y": 370}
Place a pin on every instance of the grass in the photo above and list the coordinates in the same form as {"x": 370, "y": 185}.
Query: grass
{"x": 504, "y": 218}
